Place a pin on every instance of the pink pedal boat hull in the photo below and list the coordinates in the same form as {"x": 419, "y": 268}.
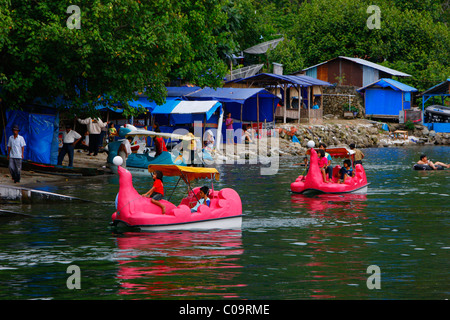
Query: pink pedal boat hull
{"x": 134, "y": 210}
{"x": 313, "y": 181}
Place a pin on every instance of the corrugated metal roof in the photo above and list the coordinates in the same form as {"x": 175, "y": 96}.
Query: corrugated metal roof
{"x": 394, "y": 84}
{"x": 377, "y": 66}
{"x": 368, "y": 64}
{"x": 441, "y": 88}
{"x": 304, "y": 81}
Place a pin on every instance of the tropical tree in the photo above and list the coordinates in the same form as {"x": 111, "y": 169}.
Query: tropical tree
{"x": 114, "y": 49}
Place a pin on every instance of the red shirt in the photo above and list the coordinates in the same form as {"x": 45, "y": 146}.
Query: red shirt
{"x": 158, "y": 185}
{"x": 160, "y": 145}
{"x": 323, "y": 162}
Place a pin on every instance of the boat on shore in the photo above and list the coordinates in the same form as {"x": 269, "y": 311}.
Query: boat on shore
{"x": 137, "y": 211}
{"x": 313, "y": 182}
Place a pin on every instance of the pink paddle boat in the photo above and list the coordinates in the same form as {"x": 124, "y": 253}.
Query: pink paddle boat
{"x": 135, "y": 210}
{"x": 313, "y": 181}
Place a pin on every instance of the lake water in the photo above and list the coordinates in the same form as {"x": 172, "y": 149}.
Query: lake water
{"x": 290, "y": 246}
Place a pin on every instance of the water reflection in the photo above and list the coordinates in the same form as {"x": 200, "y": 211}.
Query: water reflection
{"x": 333, "y": 258}
{"x": 349, "y": 205}
{"x": 180, "y": 264}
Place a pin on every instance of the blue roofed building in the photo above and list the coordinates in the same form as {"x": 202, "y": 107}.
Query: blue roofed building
{"x": 387, "y": 98}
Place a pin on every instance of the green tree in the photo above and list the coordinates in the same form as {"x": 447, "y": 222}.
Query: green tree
{"x": 287, "y": 53}
{"x": 122, "y": 47}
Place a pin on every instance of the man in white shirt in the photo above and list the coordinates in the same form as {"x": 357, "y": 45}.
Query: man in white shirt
{"x": 70, "y": 139}
{"x": 16, "y": 148}
{"x": 94, "y": 127}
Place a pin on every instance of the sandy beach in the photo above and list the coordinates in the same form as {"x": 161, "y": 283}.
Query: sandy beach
{"x": 31, "y": 178}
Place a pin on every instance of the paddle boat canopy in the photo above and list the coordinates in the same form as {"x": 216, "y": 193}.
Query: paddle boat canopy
{"x": 135, "y": 210}
{"x": 313, "y": 181}
{"x": 141, "y": 157}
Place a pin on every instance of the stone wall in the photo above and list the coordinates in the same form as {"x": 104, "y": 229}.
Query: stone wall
{"x": 334, "y": 100}
{"x": 363, "y": 133}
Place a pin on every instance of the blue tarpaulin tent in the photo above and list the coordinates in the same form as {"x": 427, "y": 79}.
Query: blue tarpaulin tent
{"x": 387, "y": 97}
{"x": 247, "y": 104}
{"x": 40, "y": 132}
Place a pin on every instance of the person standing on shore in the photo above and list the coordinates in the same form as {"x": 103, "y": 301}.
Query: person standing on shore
{"x": 70, "y": 140}
{"x": 229, "y": 130}
{"x": 16, "y": 148}
{"x": 94, "y": 127}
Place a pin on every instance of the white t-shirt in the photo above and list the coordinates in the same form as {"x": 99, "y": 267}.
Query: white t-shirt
{"x": 127, "y": 145}
{"x": 71, "y": 136}
{"x": 94, "y": 126}
{"x": 16, "y": 145}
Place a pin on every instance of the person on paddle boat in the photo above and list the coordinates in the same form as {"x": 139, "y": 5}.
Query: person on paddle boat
{"x": 424, "y": 161}
{"x": 191, "y": 146}
{"x": 323, "y": 163}
{"x": 156, "y": 193}
{"x": 208, "y": 140}
{"x": 346, "y": 171}
{"x": 247, "y": 134}
{"x": 160, "y": 145}
{"x": 329, "y": 169}
{"x": 304, "y": 163}
{"x": 125, "y": 150}
{"x": 358, "y": 156}
{"x": 203, "y": 194}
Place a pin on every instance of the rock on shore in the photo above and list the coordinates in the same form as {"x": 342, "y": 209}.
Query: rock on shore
{"x": 363, "y": 133}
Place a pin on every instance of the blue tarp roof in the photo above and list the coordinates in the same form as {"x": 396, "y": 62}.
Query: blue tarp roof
{"x": 151, "y": 105}
{"x": 241, "y": 102}
{"x": 238, "y": 95}
{"x": 182, "y": 111}
{"x": 304, "y": 81}
{"x": 180, "y": 91}
{"x": 391, "y": 83}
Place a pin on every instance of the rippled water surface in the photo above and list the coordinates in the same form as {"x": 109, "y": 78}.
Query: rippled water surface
{"x": 290, "y": 246}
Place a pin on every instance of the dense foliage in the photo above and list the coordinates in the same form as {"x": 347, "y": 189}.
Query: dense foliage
{"x": 128, "y": 46}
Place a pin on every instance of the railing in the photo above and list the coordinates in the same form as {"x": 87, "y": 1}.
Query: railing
{"x": 292, "y": 114}
{"x": 313, "y": 116}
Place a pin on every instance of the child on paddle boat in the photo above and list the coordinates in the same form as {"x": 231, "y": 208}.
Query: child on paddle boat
{"x": 329, "y": 168}
{"x": 203, "y": 194}
{"x": 156, "y": 193}
{"x": 346, "y": 171}
{"x": 323, "y": 163}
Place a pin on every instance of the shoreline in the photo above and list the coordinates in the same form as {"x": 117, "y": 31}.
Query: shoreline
{"x": 364, "y": 133}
